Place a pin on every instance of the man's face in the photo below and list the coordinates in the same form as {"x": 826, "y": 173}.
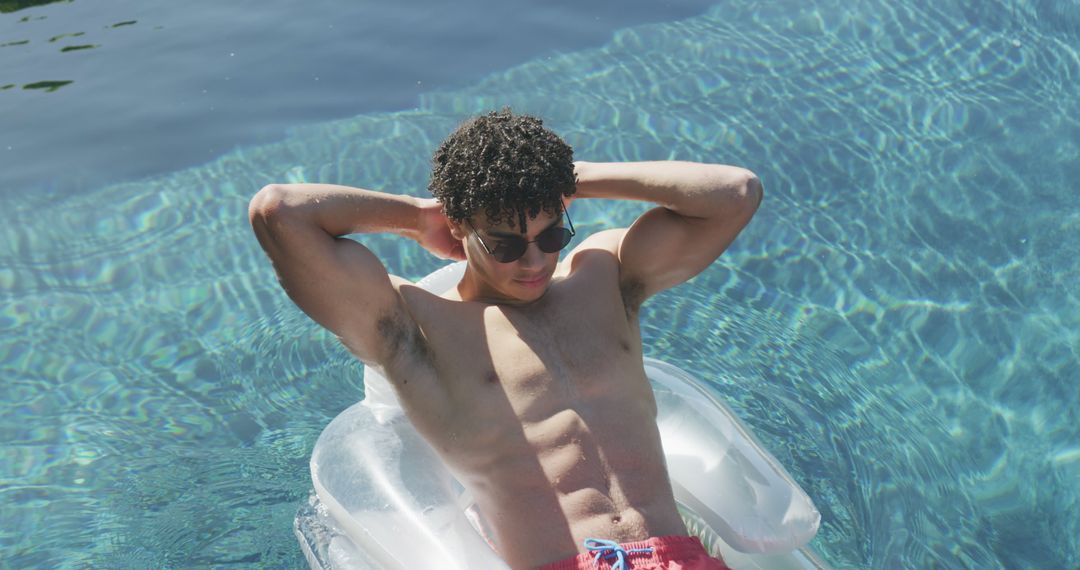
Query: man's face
{"x": 523, "y": 280}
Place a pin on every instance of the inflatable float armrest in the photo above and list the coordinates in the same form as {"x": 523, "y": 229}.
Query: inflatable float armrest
{"x": 383, "y": 485}
{"x": 722, "y": 473}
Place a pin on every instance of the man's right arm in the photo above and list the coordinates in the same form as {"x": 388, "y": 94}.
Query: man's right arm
{"x": 336, "y": 281}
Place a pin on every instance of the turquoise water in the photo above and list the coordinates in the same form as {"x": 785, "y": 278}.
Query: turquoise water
{"x": 899, "y": 324}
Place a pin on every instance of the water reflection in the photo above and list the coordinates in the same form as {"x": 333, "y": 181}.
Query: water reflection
{"x": 47, "y": 86}
{"x": 8, "y": 6}
{"x": 62, "y": 36}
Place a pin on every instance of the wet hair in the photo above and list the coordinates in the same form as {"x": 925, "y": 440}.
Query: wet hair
{"x": 510, "y": 167}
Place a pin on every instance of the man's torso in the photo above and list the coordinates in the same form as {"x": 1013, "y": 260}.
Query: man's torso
{"x": 543, "y": 411}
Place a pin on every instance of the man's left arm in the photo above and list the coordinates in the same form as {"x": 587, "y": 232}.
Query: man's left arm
{"x": 703, "y": 207}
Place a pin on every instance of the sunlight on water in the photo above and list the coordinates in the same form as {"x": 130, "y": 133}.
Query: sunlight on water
{"x": 899, "y": 323}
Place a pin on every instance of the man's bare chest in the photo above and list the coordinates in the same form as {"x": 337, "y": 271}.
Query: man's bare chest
{"x": 575, "y": 335}
{"x": 519, "y": 349}
{"x": 519, "y": 385}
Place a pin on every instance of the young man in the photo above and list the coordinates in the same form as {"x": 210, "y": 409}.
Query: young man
{"x": 527, "y": 378}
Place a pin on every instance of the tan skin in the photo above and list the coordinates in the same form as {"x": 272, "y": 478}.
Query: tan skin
{"x": 527, "y": 378}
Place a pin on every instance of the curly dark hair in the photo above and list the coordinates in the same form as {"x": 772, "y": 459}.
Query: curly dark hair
{"x": 505, "y": 165}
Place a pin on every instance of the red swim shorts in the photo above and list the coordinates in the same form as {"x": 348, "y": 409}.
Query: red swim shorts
{"x": 659, "y": 553}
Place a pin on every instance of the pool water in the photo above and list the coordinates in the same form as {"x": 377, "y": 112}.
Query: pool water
{"x": 900, "y": 323}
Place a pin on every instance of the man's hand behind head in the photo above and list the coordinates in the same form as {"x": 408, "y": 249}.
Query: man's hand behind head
{"x": 435, "y": 233}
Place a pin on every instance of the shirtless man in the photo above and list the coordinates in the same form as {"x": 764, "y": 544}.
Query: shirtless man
{"x": 527, "y": 378}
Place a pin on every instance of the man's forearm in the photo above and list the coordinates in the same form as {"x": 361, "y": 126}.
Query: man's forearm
{"x": 689, "y": 189}
{"x": 340, "y": 210}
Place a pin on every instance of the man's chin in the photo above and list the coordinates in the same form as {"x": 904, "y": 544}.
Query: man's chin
{"x": 527, "y": 292}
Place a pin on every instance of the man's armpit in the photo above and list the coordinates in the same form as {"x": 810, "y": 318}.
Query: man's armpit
{"x": 633, "y": 295}
{"x": 401, "y": 340}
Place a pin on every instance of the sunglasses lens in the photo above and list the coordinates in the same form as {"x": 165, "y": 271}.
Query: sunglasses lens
{"x": 509, "y": 250}
{"x": 553, "y": 239}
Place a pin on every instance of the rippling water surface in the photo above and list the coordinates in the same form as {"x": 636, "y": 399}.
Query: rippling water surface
{"x": 899, "y": 323}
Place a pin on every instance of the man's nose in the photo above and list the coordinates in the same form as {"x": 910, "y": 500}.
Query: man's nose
{"x": 533, "y": 256}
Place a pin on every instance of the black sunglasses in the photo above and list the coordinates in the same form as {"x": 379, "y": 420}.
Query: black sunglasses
{"x": 511, "y": 248}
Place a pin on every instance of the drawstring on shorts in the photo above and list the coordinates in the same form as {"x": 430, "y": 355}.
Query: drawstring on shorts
{"x": 610, "y": 550}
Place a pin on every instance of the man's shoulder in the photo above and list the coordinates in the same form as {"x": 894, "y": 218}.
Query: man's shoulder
{"x": 598, "y": 251}
{"x": 597, "y": 260}
{"x": 593, "y": 272}
{"x": 607, "y": 240}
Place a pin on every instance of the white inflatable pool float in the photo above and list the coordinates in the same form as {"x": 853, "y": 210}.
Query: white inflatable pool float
{"x": 384, "y": 500}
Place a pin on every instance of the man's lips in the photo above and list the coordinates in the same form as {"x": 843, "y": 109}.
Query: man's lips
{"x": 532, "y": 281}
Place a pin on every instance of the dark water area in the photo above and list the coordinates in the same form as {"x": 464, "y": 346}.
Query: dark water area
{"x": 100, "y": 92}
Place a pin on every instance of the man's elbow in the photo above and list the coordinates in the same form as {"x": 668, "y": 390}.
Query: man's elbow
{"x": 752, "y": 191}
{"x": 266, "y": 203}
{"x": 744, "y": 193}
